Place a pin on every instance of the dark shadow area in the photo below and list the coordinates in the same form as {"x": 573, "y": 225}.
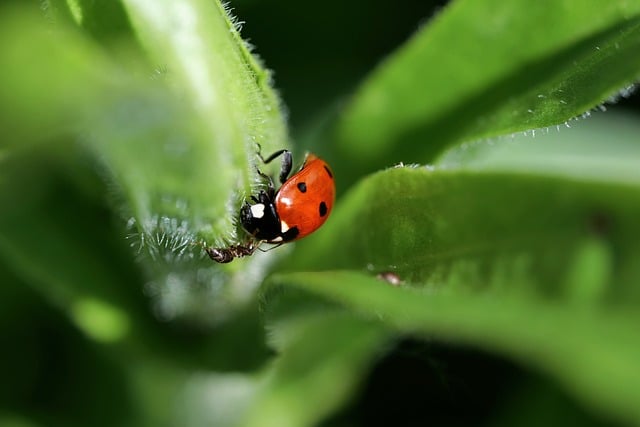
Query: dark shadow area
{"x": 431, "y": 384}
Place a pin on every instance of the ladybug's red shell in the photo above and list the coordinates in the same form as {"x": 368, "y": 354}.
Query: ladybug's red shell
{"x": 305, "y": 200}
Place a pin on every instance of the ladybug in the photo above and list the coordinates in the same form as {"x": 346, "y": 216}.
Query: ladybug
{"x": 298, "y": 208}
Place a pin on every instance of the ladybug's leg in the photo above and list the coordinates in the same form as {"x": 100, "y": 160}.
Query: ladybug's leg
{"x": 272, "y": 188}
{"x": 264, "y": 198}
{"x": 285, "y": 167}
{"x": 290, "y": 234}
{"x": 272, "y": 247}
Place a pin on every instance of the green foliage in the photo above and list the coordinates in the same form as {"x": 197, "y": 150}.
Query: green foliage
{"x": 131, "y": 130}
{"x": 593, "y": 352}
{"x": 446, "y": 85}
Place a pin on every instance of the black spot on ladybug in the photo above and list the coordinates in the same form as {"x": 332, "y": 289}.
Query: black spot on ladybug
{"x": 323, "y": 208}
{"x": 328, "y": 171}
{"x": 302, "y": 187}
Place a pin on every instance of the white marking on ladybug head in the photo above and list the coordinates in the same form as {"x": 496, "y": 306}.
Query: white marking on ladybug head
{"x": 284, "y": 227}
{"x": 257, "y": 211}
{"x": 276, "y": 240}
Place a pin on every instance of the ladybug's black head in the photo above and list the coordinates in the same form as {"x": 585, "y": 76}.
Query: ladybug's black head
{"x": 261, "y": 220}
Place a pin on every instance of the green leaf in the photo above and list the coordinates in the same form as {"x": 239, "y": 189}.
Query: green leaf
{"x": 454, "y": 227}
{"x": 593, "y": 353}
{"x": 40, "y": 346}
{"x": 84, "y": 307}
{"x": 523, "y": 247}
{"x": 482, "y": 69}
{"x": 502, "y": 214}
{"x": 202, "y": 167}
{"x": 69, "y": 248}
{"x": 36, "y": 105}
{"x": 229, "y": 93}
{"x": 320, "y": 367}
{"x": 226, "y": 109}
{"x": 48, "y": 236}
{"x": 601, "y": 147}
{"x": 318, "y": 370}
{"x": 105, "y": 21}
{"x": 179, "y": 146}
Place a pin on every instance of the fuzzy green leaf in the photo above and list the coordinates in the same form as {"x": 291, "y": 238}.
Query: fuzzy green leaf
{"x": 455, "y": 227}
{"x": 177, "y": 138}
{"x": 508, "y": 213}
{"x": 481, "y": 69}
